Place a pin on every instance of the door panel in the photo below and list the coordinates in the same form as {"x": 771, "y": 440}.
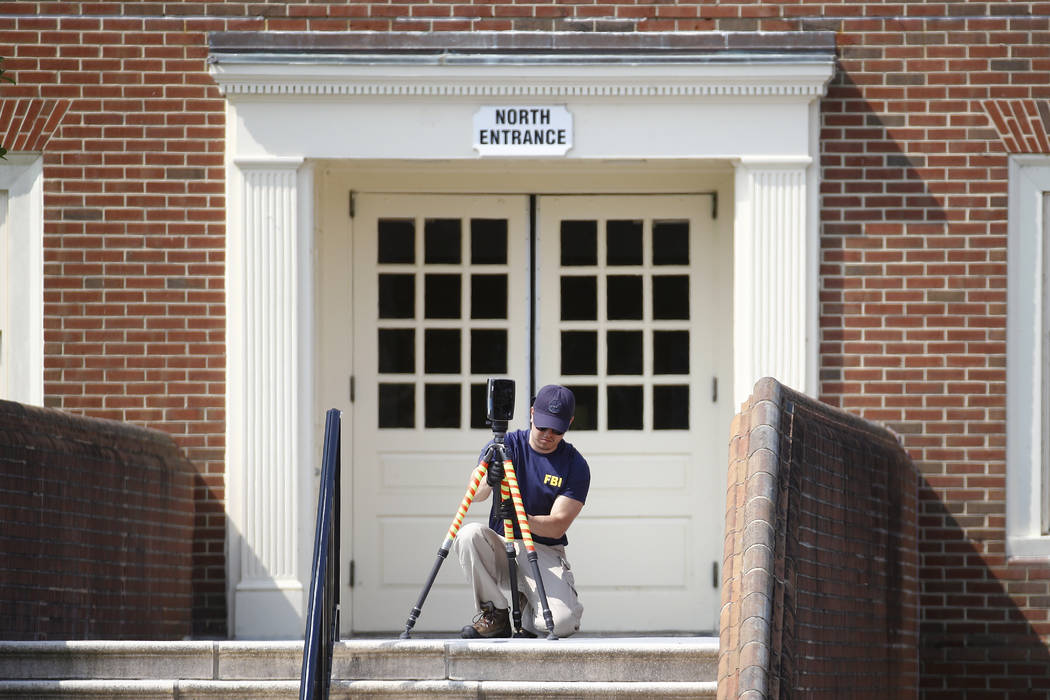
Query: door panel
{"x": 632, "y": 311}
{"x": 629, "y": 316}
{"x": 440, "y": 305}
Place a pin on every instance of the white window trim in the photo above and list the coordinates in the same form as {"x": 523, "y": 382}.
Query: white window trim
{"x": 22, "y": 275}
{"x": 1027, "y": 370}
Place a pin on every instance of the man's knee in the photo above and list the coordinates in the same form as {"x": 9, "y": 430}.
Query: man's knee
{"x": 564, "y": 625}
{"x": 470, "y": 534}
{"x": 566, "y": 617}
{"x": 472, "y": 539}
{"x": 469, "y": 530}
{"x": 567, "y": 621}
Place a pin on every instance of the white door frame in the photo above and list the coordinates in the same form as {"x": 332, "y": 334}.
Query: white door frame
{"x": 286, "y": 113}
{"x": 710, "y": 182}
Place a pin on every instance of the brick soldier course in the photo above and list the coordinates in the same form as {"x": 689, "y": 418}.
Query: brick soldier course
{"x": 928, "y": 101}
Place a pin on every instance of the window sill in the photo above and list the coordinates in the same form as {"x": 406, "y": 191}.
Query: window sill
{"x": 1022, "y": 548}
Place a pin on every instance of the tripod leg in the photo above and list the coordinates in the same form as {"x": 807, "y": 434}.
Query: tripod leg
{"x": 413, "y": 615}
{"x": 511, "y": 480}
{"x": 453, "y": 530}
{"x": 548, "y": 617}
{"x": 512, "y": 570}
{"x": 512, "y": 563}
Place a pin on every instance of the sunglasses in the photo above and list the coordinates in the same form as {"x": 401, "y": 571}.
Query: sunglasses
{"x": 551, "y": 430}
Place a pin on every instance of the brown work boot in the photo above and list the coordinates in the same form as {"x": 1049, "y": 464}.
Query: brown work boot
{"x": 491, "y": 622}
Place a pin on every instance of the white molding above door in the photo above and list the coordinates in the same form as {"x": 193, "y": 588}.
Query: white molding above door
{"x": 669, "y": 104}
{"x": 541, "y": 77}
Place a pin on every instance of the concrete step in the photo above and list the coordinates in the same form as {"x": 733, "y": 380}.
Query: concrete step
{"x": 667, "y": 667}
{"x": 344, "y": 690}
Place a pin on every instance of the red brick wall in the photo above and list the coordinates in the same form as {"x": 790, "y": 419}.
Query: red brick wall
{"x": 820, "y": 591}
{"x": 131, "y": 128}
{"x": 913, "y": 305}
{"x": 915, "y": 135}
{"x": 97, "y": 532}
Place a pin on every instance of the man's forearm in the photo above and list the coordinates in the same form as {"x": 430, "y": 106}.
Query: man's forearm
{"x": 548, "y": 526}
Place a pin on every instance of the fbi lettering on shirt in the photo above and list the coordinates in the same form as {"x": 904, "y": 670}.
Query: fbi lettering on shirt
{"x": 553, "y": 480}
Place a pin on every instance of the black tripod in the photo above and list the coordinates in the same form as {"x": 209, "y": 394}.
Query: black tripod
{"x": 496, "y": 459}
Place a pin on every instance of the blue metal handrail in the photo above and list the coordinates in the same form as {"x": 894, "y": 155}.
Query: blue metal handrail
{"x": 322, "y": 618}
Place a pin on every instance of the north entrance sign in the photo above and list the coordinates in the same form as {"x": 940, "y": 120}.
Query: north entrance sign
{"x": 523, "y": 130}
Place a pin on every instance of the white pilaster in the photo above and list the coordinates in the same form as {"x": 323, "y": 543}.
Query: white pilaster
{"x": 269, "y": 394}
{"x": 775, "y": 301}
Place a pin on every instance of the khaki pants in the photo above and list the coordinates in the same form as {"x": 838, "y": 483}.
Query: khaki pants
{"x": 483, "y": 557}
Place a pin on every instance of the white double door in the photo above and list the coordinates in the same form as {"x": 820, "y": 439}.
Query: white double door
{"x": 617, "y": 297}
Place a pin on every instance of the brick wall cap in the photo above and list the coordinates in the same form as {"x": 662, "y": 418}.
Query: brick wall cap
{"x": 730, "y": 46}
{"x": 771, "y": 390}
{"x": 99, "y": 430}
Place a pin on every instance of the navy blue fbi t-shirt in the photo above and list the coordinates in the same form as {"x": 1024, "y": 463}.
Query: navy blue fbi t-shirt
{"x": 541, "y": 479}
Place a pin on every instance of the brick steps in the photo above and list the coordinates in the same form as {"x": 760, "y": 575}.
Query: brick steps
{"x": 676, "y": 667}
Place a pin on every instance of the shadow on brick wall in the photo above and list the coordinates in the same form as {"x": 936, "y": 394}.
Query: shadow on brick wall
{"x": 981, "y": 619}
{"x": 209, "y": 562}
{"x": 889, "y": 239}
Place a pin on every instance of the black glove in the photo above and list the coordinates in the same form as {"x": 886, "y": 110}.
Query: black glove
{"x": 506, "y": 510}
{"x": 495, "y": 474}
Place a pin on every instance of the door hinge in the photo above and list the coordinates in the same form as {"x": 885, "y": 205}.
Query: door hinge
{"x": 714, "y": 574}
{"x": 353, "y": 388}
{"x": 714, "y": 205}
{"x": 350, "y": 577}
{"x": 353, "y": 204}
{"x": 714, "y": 389}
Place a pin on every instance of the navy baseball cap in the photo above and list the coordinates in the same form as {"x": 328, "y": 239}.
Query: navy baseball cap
{"x": 554, "y": 408}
